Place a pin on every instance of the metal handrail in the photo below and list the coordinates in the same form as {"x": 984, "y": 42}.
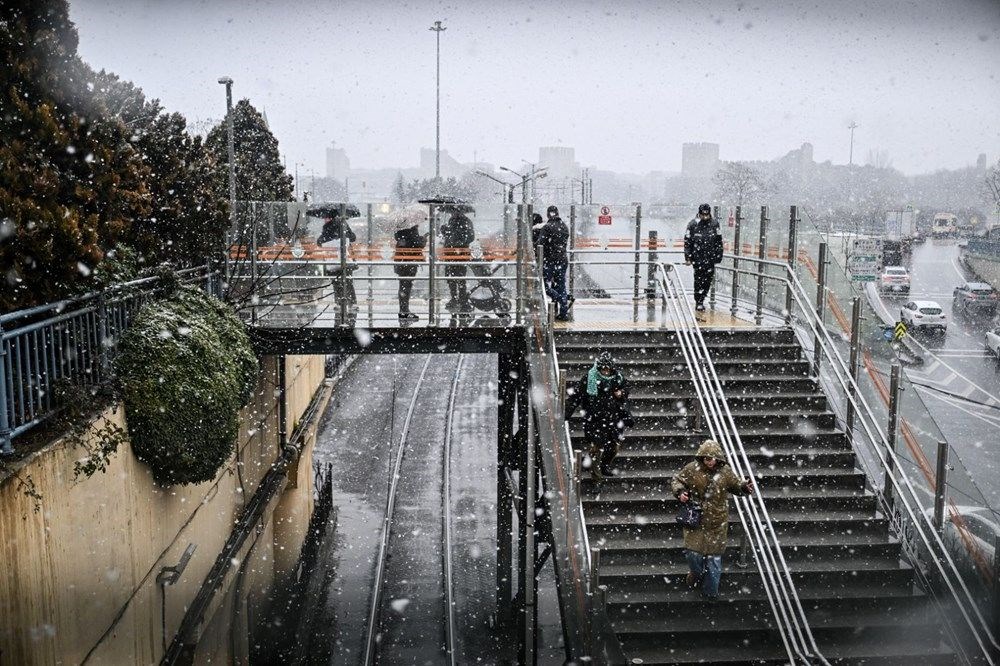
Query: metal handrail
{"x": 776, "y": 575}
{"x": 600, "y": 642}
{"x": 69, "y": 339}
{"x": 890, "y": 461}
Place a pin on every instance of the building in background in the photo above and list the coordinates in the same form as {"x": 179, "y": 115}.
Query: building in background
{"x": 337, "y": 164}
{"x": 699, "y": 160}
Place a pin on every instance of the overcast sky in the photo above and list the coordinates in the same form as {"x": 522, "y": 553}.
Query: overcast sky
{"x": 625, "y": 83}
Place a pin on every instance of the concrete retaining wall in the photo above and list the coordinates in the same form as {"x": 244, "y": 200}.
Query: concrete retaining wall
{"x": 987, "y": 268}
{"x": 78, "y": 577}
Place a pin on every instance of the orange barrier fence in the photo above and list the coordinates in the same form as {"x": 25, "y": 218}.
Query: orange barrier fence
{"x": 956, "y": 518}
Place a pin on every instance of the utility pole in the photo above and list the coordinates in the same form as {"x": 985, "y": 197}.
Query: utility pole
{"x": 853, "y": 126}
{"x": 231, "y": 148}
{"x": 438, "y": 28}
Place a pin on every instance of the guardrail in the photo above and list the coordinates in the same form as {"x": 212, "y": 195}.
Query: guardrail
{"x": 897, "y": 496}
{"x": 789, "y": 615}
{"x": 72, "y": 340}
{"x": 983, "y": 247}
{"x": 587, "y": 632}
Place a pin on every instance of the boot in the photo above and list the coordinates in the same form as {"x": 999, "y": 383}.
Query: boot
{"x": 595, "y": 464}
{"x": 608, "y": 459}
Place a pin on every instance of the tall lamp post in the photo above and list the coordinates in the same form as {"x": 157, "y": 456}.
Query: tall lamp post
{"x": 438, "y": 29}
{"x": 532, "y": 175}
{"x": 508, "y": 189}
{"x": 230, "y": 147}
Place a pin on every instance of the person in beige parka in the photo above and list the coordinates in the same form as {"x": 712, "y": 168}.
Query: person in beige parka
{"x": 708, "y": 480}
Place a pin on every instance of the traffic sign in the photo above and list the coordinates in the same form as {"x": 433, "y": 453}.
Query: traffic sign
{"x": 900, "y": 330}
{"x": 865, "y": 261}
{"x": 605, "y": 216}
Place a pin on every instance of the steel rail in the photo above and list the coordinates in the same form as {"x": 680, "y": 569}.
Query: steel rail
{"x": 774, "y": 587}
{"x": 383, "y": 550}
{"x": 885, "y": 455}
{"x": 449, "y": 597}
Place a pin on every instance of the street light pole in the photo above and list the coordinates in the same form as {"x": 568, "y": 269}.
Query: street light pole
{"x": 230, "y": 147}
{"x": 438, "y": 28}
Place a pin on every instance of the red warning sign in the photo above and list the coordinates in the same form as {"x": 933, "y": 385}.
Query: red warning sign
{"x": 605, "y": 216}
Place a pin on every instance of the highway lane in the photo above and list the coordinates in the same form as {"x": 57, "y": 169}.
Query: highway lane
{"x": 959, "y": 381}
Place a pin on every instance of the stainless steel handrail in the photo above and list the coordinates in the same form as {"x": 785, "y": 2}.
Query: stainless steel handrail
{"x": 774, "y": 572}
{"x": 889, "y": 460}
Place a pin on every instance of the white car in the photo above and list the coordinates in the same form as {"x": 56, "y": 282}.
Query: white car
{"x": 923, "y": 314}
{"x": 894, "y": 278}
{"x": 993, "y": 341}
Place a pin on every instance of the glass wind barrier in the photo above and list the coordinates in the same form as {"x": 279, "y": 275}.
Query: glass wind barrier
{"x": 599, "y": 232}
{"x": 970, "y": 523}
{"x": 294, "y": 264}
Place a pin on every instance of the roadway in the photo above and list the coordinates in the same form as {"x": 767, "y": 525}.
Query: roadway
{"x": 959, "y": 380}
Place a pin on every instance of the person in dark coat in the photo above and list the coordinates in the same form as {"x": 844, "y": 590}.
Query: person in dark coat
{"x": 333, "y": 228}
{"x": 708, "y": 480}
{"x": 457, "y": 235}
{"x": 553, "y": 236}
{"x": 703, "y": 249}
{"x": 409, "y": 248}
{"x": 602, "y": 393}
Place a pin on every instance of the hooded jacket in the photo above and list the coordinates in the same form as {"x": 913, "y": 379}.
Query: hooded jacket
{"x": 703, "y": 242}
{"x": 710, "y": 488}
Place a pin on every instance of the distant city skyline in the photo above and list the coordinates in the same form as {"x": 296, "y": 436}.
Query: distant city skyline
{"x": 625, "y": 84}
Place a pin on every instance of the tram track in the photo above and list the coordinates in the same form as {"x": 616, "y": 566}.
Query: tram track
{"x": 391, "y": 628}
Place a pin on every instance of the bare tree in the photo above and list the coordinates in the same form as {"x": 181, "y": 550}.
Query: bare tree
{"x": 739, "y": 183}
{"x": 991, "y": 188}
{"x": 879, "y": 158}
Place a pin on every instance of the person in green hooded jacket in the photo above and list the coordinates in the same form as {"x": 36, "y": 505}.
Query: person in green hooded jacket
{"x": 708, "y": 480}
{"x": 602, "y": 394}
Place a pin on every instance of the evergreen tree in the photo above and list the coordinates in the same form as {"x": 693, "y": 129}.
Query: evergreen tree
{"x": 189, "y": 216}
{"x": 259, "y": 173}
{"x": 71, "y": 182}
{"x": 399, "y": 189}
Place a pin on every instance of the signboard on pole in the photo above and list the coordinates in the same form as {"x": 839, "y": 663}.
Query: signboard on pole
{"x": 605, "y": 216}
{"x": 865, "y": 261}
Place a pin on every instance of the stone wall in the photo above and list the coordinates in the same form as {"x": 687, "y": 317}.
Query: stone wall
{"x": 78, "y": 581}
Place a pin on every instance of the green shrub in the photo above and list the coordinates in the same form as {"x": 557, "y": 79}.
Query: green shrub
{"x": 185, "y": 368}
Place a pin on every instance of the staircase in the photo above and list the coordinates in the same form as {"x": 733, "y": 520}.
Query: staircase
{"x": 859, "y": 597}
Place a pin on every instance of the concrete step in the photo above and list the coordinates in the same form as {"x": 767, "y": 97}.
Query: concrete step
{"x": 877, "y": 575}
{"x": 598, "y": 500}
{"x": 711, "y": 335}
{"x": 724, "y": 368}
{"x": 786, "y": 522}
{"x": 749, "y": 349}
{"x": 670, "y": 550}
{"x": 777, "y": 419}
{"x": 681, "y": 438}
{"x": 882, "y": 646}
{"x": 657, "y": 481}
{"x": 651, "y": 399}
{"x": 681, "y": 384}
{"x": 782, "y": 459}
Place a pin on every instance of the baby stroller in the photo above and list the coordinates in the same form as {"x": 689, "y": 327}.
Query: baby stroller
{"x": 489, "y": 294}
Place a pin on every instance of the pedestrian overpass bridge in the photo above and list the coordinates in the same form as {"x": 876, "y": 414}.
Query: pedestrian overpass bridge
{"x": 864, "y": 543}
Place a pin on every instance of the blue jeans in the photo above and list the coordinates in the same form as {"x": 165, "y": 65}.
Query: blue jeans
{"x": 708, "y": 569}
{"x": 554, "y": 276}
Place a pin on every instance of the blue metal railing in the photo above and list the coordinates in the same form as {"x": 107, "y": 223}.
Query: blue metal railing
{"x": 75, "y": 340}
